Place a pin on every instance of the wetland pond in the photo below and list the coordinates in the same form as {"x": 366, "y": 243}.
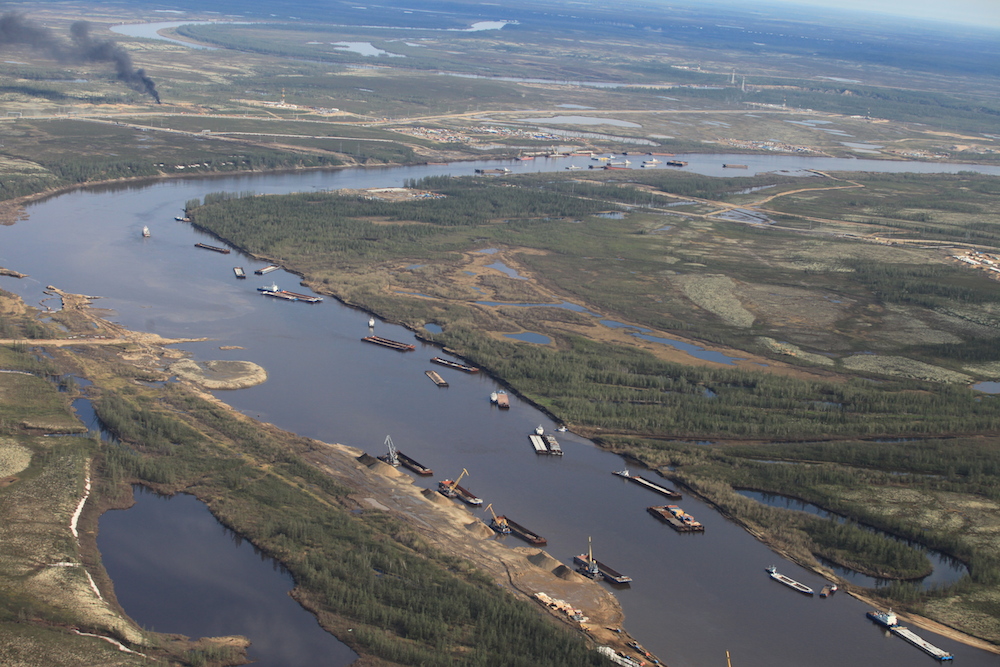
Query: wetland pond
{"x": 325, "y": 383}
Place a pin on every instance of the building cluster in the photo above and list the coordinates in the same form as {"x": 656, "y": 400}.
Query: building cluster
{"x": 778, "y": 146}
{"x": 981, "y": 260}
{"x": 465, "y": 135}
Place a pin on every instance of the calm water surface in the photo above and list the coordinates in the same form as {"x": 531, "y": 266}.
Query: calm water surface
{"x": 694, "y": 596}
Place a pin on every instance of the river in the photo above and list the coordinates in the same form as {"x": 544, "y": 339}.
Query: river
{"x": 694, "y": 596}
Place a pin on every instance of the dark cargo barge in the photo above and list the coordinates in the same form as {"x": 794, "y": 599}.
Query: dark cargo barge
{"x": 524, "y": 533}
{"x": 676, "y": 518}
{"x": 653, "y": 486}
{"x": 454, "y": 364}
{"x": 407, "y": 462}
{"x": 609, "y": 573}
{"x": 224, "y": 251}
{"x": 393, "y": 344}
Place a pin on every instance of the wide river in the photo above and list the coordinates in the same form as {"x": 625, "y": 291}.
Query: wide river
{"x": 694, "y": 596}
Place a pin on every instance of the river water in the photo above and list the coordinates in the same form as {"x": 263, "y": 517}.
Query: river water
{"x": 694, "y": 596}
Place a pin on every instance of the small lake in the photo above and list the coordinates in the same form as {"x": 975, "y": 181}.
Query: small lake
{"x": 176, "y": 569}
{"x": 530, "y": 337}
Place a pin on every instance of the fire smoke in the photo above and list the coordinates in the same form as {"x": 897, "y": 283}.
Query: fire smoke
{"x": 15, "y": 29}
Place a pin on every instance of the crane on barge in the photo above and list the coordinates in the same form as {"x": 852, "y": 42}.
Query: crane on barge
{"x": 499, "y": 523}
{"x": 392, "y": 458}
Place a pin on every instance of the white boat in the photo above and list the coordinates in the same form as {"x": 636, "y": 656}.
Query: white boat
{"x": 573, "y": 167}
{"x": 653, "y": 161}
{"x": 539, "y": 430}
{"x": 493, "y": 397}
{"x": 561, "y": 429}
{"x": 145, "y": 231}
{"x": 371, "y": 322}
{"x": 788, "y": 581}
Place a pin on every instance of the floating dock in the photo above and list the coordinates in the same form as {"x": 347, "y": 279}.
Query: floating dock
{"x": 436, "y": 379}
{"x": 224, "y": 251}
{"x": 609, "y": 573}
{"x": 676, "y": 518}
{"x": 653, "y": 486}
{"x": 392, "y": 344}
{"x": 267, "y": 269}
{"x": 240, "y": 273}
{"x": 525, "y": 534}
{"x": 734, "y": 166}
{"x": 454, "y": 364}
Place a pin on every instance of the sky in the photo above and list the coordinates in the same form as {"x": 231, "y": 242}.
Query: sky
{"x": 984, "y": 13}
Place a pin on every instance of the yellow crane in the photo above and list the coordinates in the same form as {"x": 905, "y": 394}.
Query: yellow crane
{"x": 447, "y": 487}
{"x": 499, "y": 523}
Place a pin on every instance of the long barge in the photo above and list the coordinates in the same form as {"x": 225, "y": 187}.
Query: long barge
{"x": 545, "y": 444}
{"x": 392, "y": 344}
{"x": 676, "y": 518}
{"x": 436, "y": 378}
{"x": 676, "y": 163}
{"x": 889, "y": 621}
{"x": 454, "y": 364}
{"x": 525, "y": 534}
{"x": 609, "y": 573}
{"x": 413, "y": 465}
{"x": 303, "y": 297}
{"x": 553, "y": 445}
{"x": 788, "y": 581}
{"x": 653, "y": 486}
{"x": 215, "y": 248}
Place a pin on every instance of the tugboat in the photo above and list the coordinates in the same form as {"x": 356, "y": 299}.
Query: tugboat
{"x": 145, "y": 232}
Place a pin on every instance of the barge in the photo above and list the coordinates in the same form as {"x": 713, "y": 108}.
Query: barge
{"x": 788, "y": 581}
{"x": 553, "y": 445}
{"x": 436, "y": 379}
{"x": 653, "y": 486}
{"x": 303, "y": 297}
{"x": 545, "y": 444}
{"x": 525, "y": 534}
{"x": 452, "y": 489}
{"x": 828, "y": 590}
{"x": 888, "y": 620}
{"x": 267, "y": 269}
{"x": 733, "y": 166}
{"x": 589, "y": 566}
{"x": 239, "y": 272}
{"x": 676, "y": 518}
{"x": 275, "y": 291}
{"x": 392, "y": 344}
{"x": 407, "y": 462}
{"x": 214, "y": 248}
{"x": 501, "y": 400}
{"x": 676, "y": 163}
{"x": 454, "y": 364}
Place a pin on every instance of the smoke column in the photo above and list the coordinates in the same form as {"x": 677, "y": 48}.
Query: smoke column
{"x": 14, "y": 29}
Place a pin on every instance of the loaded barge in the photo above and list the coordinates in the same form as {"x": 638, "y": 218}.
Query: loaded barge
{"x": 275, "y": 291}
{"x": 545, "y": 444}
{"x": 501, "y": 400}
{"x": 385, "y": 342}
{"x": 239, "y": 272}
{"x": 642, "y": 481}
{"x": 888, "y": 620}
{"x": 267, "y": 269}
{"x": 224, "y": 251}
{"x": 788, "y": 581}
{"x": 525, "y": 534}
{"x": 676, "y": 518}
{"x": 436, "y": 379}
{"x": 454, "y": 364}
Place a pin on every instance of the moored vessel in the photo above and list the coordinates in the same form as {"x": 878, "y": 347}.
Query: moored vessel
{"x": 267, "y": 269}
{"x": 788, "y": 581}
{"x": 528, "y": 536}
{"x": 392, "y": 344}
{"x": 224, "y": 251}
{"x": 239, "y": 272}
{"x": 828, "y": 590}
{"x": 676, "y": 518}
{"x": 589, "y": 566}
{"x": 145, "y": 232}
{"x": 452, "y": 489}
{"x": 454, "y": 364}
{"x": 653, "y": 486}
{"x": 436, "y": 378}
{"x": 888, "y": 620}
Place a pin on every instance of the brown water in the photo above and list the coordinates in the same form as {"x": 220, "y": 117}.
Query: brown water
{"x": 693, "y": 596}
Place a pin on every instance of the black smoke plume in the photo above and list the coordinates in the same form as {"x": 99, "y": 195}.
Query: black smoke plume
{"x": 15, "y": 29}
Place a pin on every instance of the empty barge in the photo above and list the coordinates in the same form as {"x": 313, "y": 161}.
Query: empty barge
{"x": 642, "y": 481}
{"x": 393, "y": 344}
{"x": 239, "y": 272}
{"x": 407, "y": 462}
{"x": 215, "y": 248}
{"x": 454, "y": 364}
{"x": 525, "y": 534}
{"x": 267, "y": 269}
{"x": 609, "y": 573}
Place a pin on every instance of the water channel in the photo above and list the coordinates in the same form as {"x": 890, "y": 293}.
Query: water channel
{"x": 694, "y": 596}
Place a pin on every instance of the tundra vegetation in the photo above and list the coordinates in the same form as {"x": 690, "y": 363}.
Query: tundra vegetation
{"x": 856, "y": 334}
